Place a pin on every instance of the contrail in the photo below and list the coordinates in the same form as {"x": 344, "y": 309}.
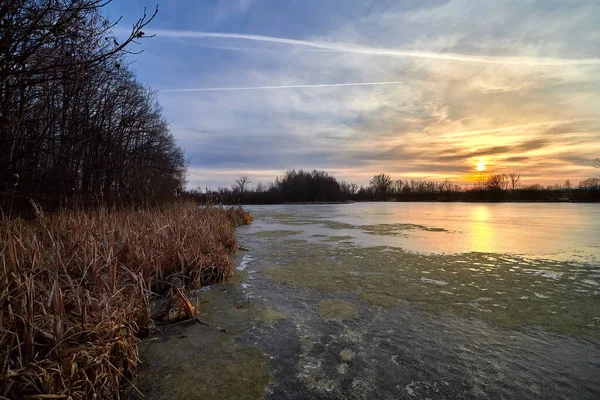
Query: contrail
{"x": 224, "y": 89}
{"x": 378, "y": 51}
{"x": 259, "y": 49}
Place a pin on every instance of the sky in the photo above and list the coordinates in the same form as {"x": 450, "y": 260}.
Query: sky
{"x": 411, "y": 88}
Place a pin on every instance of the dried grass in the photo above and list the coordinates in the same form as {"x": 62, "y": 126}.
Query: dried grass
{"x": 75, "y": 290}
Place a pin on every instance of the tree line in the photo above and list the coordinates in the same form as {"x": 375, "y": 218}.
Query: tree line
{"x": 76, "y": 127}
{"x": 319, "y": 186}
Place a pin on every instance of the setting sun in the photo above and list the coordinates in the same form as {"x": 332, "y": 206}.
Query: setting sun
{"x": 481, "y": 165}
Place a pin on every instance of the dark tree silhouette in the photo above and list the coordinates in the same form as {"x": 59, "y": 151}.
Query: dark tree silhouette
{"x": 514, "y": 179}
{"x": 241, "y": 184}
{"x": 315, "y": 186}
{"x": 75, "y": 125}
{"x": 495, "y": 182}
{"x": 381, "y": 185}
{"x": 319, "y": 186}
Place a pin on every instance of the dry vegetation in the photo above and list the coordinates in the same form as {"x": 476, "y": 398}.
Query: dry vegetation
{"x": 75, "y": 289}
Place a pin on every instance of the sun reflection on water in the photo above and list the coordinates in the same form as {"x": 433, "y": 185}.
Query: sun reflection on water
{"x": 482, "y": 234}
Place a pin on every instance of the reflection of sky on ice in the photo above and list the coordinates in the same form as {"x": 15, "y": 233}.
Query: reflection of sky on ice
{"x": 550, "y": 231}
{"x": 503, "y": 263}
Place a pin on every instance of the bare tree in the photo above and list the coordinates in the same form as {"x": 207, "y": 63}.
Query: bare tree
{"x": 590, "y": 183}
{"x": 514, "y": 180}
{"x": 74, "y": 122}
{"x": 241, "y": 184}
{"x": 445, "y": 186}
{"x": 481, "y": 181}
{"x": 398, "y": 184}
{"x": 381, "y": 184}
{"x": 505, "y": 182}
{"x": 494, "y": 182}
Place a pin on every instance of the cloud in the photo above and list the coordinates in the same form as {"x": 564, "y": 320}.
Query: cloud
{"x": 305, "y": 86}
{"x": 228, "y": 8}
{"x": 411, "y": 89}
{"x": 376, "y": 51}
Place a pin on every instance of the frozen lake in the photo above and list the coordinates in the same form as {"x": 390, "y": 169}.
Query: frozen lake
{"x": 397, "y": 301}
{"x": 566, "y": 231}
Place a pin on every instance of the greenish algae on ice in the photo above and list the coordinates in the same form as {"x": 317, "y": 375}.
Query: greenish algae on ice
{"x": 269, "y": 315}
{"x": 275, "y": 233}
{"x": 379, "y": 299}
{"x": 235, "y": 314}
{"x": 378, "y": 229}
{"x": 508, "y": 291}
{"x": 397, "y": 229}
{"x": 195, "y": 361}
{"x": 229, "y": 374}
{"x": 347, "y": 355}
{"x": 338, "y": 238}
{"x": 336, "y": 310}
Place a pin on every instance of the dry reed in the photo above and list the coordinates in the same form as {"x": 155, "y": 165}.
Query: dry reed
{"x": 75, "y": 290}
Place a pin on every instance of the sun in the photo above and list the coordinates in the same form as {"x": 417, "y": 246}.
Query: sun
{"x": 481, "y": 165}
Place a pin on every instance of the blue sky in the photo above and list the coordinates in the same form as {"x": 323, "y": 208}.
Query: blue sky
{"x": 416, "y": 89}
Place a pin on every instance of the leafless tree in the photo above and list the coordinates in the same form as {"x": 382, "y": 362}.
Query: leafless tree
{"x": 481, "y": 181}
{"x": 505, "y": 184}
{"x": 75, "y": 124}
{"x": 241, "y": 184}
{"x": 398, "y": 184}
{"x": 494, "y": 182}
{"x": 590, "y": 183}
{"x": 446, "y": 186}
{"x": 381, "y": 184}
{"x": 514, "y": 180}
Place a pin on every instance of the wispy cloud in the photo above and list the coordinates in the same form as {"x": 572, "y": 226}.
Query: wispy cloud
{"x": 227, "y": 8}
{"x": 307, "y": 86}
{"x": 414, "y": 89}
{"x": 376, "y": 51}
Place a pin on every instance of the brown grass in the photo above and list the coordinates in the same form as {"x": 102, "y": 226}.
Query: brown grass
{"x": 75, "y": 290}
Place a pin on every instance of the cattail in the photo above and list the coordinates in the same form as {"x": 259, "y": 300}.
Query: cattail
{"x": 36, "y": 208}
{"x": 87, "y": 273}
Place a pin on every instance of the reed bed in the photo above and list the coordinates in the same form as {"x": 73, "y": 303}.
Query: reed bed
{"x": 75, "y": 291}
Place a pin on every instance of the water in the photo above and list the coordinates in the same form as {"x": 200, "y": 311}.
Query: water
{"x": 447, "y": 300}
{"x": 396, "y": 301}
{"x": 563, "y": 231}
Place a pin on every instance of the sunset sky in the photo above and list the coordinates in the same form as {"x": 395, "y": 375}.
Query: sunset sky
{"x": 416, "y": 89}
